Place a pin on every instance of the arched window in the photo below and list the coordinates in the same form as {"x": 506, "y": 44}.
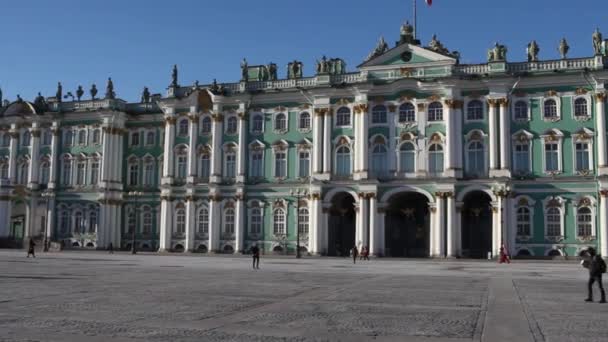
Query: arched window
{"x": 343, "y": 117}
{"x": 135, "y": 139}
{"x": 523, "y": 222}
{"x": 206, "y": 125}
{"x": 82, "y": 137}
{"x": 147, "y": 221}
{"x": 133, "y": 172}
{"x": 180, "y": 221}
{"x": 229, "y": 221}
{"x": 279, "y": 221}
{"x": 580, "y": 107}
{"x": 256, "y": 221}
{"x": 435, "y": 112}
{"x": 66, "y": 176}
{"x": 475, "y": 110}
{"x": 407, "y": 158}
{"x": 96, "y": 136}
{"x": 521, "y": 157}
{"x": 47, "y": 137}
{"x": 64, "y": 221}
{"x": 582, "y": 156}
{"x": 205, "y": 166}
{"x": 93, "y": 221}
{"x": 81, "y": 168}
{"x": 203, "y": 221}
{"x": 69, "y": 136}
{"x": 407, "y": 113}
{"x": 231, "y": 125}
{"x": 303, "y": 220}
{"x": 149, "y": 171}
{"x": 551, "y": 156}
{"x": 6, "y": 139}
{"x": 343, "y": 161}
{"x": 379, "y": 114}
{"x": 182, "y": 128}
{"x": 475, "y": 159}
{"x": 435, "y": 159}
{"x": 44, "y": 172}
{"x": 521, "y": 110}
{"x": 78, "y": 223}
{"x": 150, "y": 137}
{"x": 304, "y": 121}
{"x": 26, "y": 140}
{"x": 280, "y": 122}
{"x": 554, "y": 222}
{"x": 230, "y": 162}
{"x": 379, "y": 160}
{"x": 24, "y": 169}
{"x": 550, "y": 109}
{"x": 4, "y": 170}
{"x": 257, "y": 124}
{"x": 94, "y": 171}
{"x": 584, "y": 222}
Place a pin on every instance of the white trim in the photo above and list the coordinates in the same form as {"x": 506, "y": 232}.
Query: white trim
{"x": 335, "y": 116}
{"x": 562, "y": 209}
{"x": 472, "y": 188}
{"x": 587, "y": 98}
{"x": 200, "y": 125}
{"x": 591, "y": 205}
{"x": 560, "y": 138}
{"x": 484, "y": 110}
{"x": 525, "y": 100}
{"x": 443, "y": 112}
{"x": 274, "y": 122}
{"x": 371, "y": 116}
{"x": 299, "y": 117}
{"x": 251, "y": 121}
{"x": 558, "y": 105}
{"x": 227, "y": 118}
{"x": 403, "y": 189}
{"x": 416, "y": 152}
{"x": 576, "y": 138}
{"x": 530, "y": 207}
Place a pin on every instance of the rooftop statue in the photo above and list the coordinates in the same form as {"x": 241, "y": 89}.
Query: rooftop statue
{"x": 174, "y": 76}
{"x": 93, "y": 91}
{"x": 294, "y": 70}
{"x": 244, "y": 70}
{"x": 145, "y": 95}
{"x": 59, "y": 92}
{"x": 40, "y": 103}
{"x": 337, "y": 66}
{"x": 532, "y": 51}
{"x": 380, "y": 49}
{"x": 196, "y": 84}
{"x": 79, "y": 92}
{"x": 498, "y": 53}
{"x": 272, "y": 71}
{"x": 407, "y": 34}
{"x": 322, "y": 66}
{"x": 597, "y": 42}
{"x": 110, "y": 94}
{"x": 563, "y": 48}
{"x": 19, "y": 99}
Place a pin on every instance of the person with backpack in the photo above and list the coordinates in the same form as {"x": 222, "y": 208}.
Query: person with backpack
{"x": 597, "y": 267}
{"x": 31, "y": 248}
{"x": 255, "y": 252}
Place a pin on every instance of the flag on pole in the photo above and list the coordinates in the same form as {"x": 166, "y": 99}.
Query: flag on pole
{"x": 429, "y": 2}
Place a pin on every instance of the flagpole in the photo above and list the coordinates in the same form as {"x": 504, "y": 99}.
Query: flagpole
{"x": 415, "y": 15}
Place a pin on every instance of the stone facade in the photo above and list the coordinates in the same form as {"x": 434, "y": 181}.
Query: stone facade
{"x": 414, "y": 154}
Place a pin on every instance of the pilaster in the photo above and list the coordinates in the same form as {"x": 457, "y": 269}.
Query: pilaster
{"x": 374, "y": 231}
{"x": 317, "y": 133}
{"x": 12, "y": 162}
{"x": 214, "y": 223}
{"x": 361, "y": 150}
{"x": 166, "y": 223}
{"x": 190, "y": 223}
{"x": 53, "y": 163}
{"x": 35, "y": 156}
{"x": 600, "y": 115}
{"x": 168, "y": 154}
{"x": 240, "y": 224}
{"x": 327, "y": 144}
{"x": 241, "y": 160}
{"x": 603, "y": 226}
{"x": 192, "y": 141}
{"x": 505, "y": 140}
{"x": 216, "y": 160}
{"x": 451, "y": 227}
{"x": 493, "y": 136}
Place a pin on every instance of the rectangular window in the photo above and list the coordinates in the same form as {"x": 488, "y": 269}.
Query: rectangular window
{"x": 133, "y": 174}
{"x": 80, "y": 172}
{"x": 582, "y": 157}
{"x": 521, "y": 158}
{"x": 256, "y": 221}
{"x": 280, "y": 166}
{"x": 551, "y": 157}
{"x": 66, "y": 177}
{"x": 231, "y": 165}
{"x": 205, "y": 166}
{"x": 135, "y": 139}
{"x": 257, "y": 164}
{"x": 181, "y": 166}
{"x": 94, "y": 173}
{"x": 149, "y": 174}
{"x": 304, "y": 167}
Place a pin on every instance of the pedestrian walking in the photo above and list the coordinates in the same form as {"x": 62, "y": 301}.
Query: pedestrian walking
{"x": 255, "y": 252}
{"x": 354, "y": 252}
{"x": 365, "y": 253}
{"x": 597, "y": 267}
{"x": 30, "y": 249}
{"x": 504, "y": 256}
{"x": 110, "y": 248}
{"x": 362, "y": 253}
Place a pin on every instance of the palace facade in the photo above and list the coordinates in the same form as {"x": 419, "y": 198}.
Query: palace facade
{"x": 413, "y": 154}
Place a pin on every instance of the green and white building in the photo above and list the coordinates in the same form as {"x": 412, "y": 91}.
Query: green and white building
{"x": 413, "y": 154}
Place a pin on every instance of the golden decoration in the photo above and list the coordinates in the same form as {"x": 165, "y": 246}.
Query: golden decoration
{"x": 580, "y": 91}
{"x": 551, "y": 93}
{"x": 421, "y": 107}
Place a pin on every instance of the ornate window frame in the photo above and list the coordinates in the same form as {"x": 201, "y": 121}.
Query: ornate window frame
{"x": 133, "y": 161}
{"x": 520, "y": 137}
{"x": 280, "y": 204}
{"x": 350, "y": 117}
{"x": 201, "y": 235}
{"x": 179, "y": 126}
{"x": 428, "y": 112}
{"x": 378, "y": 140}
{"x": 558, "y": 108}
{"x": 476, "y": 136}
{"x": 559, "y": 203}
{"x": 304, "y": 129}
{"x": 252, "y": 119}
{"x": 229, "y": 118}
{"x": 280, "y": 146}
{"x": 252, "y": 205}
{"x": 132, "y": 135}
{"x": 147, "y": 134}
{"x": 527, "y": 202}
{"x": 305, "y": 146}
{"x": 228, "y": 207}
{"x": 181, "y": 150}
{"x": 484, "y": 110}
{"x": 278, "y": 130}
{"x": 175, "y": 233}
{"x": 407, "y": 138}
{"x": 553, "y": 136}
{"x": 204, "y": 150}
{"x": 202, "y": 119}
{"x": 377, "y": 107}
{"x": 583, "y": 118}
{"x": 583, "y": 135}
{"x": 255, "y": 147}
{"x": 398, "y": 114}
{"x": 230, "y": 148}
{"x": 436, "y": 138}
{"x": 589, "y": 202}
{"x": 343, "y": 141}
{"x": 526, "y": 101}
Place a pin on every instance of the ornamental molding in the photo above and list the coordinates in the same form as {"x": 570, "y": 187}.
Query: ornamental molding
{"x": 343, "y": 101}
{"x": 322, "y": 111}
{"x": 551, "y": 93}
{"x": 408, "y": 136}
{"x": 361, "y": 108}
{"x": 454, "y": 104}
{"x": 581, "y": 91}
{"x": 421, "y": 107}
{"x": 600, "y": 96}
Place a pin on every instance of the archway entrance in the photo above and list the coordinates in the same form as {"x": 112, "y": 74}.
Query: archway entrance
{"x": 341, "y": 225}
{"x": 407, "y": 226}
{"x": 476, "y": 225}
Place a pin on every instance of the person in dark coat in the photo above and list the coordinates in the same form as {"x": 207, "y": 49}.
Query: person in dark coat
{"x": 355, "y": 253}
{"x": 596, "y": 266}
{"x": 111, "y": 248}
{"x": 30, "y": 249}
{"x": 255, "y": 252}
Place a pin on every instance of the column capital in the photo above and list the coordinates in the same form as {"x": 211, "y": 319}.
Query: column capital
{"x": 315, "y": 196}
{"x": 444, "y": 194}
{"x": 453, "y": 104}
{"x": 600, "y": 97}
{"x": 603, "y": 192}
{"x": 215, "y": 197}
{"x": 370, "y": 195}
{"x": 239, "y": 197}
{"x": 242, "y": 115}
{"x": 421, "y": 106}
{"x": 170, "y": 120}
{"x": 502, "y": 102}
{"x": 193, "y": 117}
{"x": 493, "y": 103}
{"x": 361, "y": 108}
{"x": 217, "y": 117}
{"x": 322, "y": 111}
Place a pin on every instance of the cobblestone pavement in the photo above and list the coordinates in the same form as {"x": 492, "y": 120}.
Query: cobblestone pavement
{"x": 73, "y": 296}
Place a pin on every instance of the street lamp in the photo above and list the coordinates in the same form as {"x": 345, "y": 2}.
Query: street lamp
{"x": 298, "y": 194}
{"x": 133, "y": 236}
{"x": 46, "y": 195}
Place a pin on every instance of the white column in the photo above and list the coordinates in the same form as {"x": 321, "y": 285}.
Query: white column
{"x": 493, "y": 135}
{"x": 166, "y": 223}
{"x": 35, "y": 156}
{"x": 505, "y": 133}
{"x": 240, "y": 224}
{"x": 497, "y": 227}
{"x": 120, "y": 145}
{"x": 28, "y": 228}
{"x": 603, "y": 226}
{"x": 364, "y": 153}
{"x": 190, "y": 224}
{"x": 214, "y": 224}
{"x": 12, "y": 162}
{"x": 433, "y": 228}
{"x": 600, "y": 115}
{"x": 317, "y": 225}
{"x": 54, "y": 163}
{"x": 327, "y": 143}
{"x": 439, "y": 234}
{"x": 241, "y": 157}
{"x": 458, "y": 148}
{"x": 451, "y": 227}
{"x": 374, "y": 232}
{"x": 192, "y": 160}
{"x": 450, "y": 139}
{"x": 216, "y": 141}
{"x": 317, "y": 136}
{"x": 50, "y": 221}
{"x": 362, "y": 222}
{"x": 168, "y": 150}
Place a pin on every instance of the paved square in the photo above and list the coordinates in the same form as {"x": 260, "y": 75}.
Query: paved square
{"x": 99, "y": 297}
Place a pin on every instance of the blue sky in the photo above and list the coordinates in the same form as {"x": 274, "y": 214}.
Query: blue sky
{"x": 136, "y": 42}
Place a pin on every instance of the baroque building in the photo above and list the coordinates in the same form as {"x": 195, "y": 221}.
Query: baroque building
{"x": 413, "y": 154}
